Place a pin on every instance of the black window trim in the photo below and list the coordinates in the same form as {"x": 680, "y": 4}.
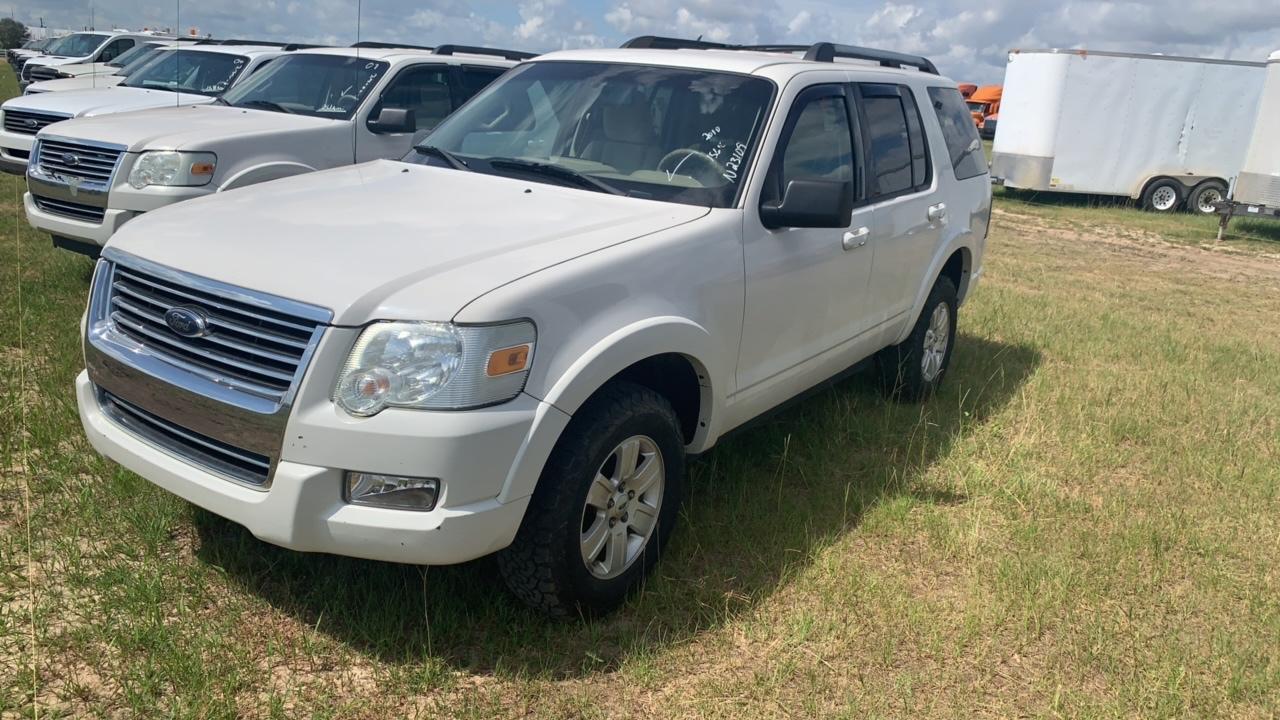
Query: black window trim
{"x": 819, "y": 91}
{"x": 102, "y": 49}
{"x": 904, "y": 94}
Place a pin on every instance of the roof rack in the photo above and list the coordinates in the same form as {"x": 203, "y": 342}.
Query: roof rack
{"x": 817, "y": 52}
{"x": 376, "y": 44}
{"x": 301, "y": 46}
{"x": 473, "y": 50}
{"x": 241, "y": 41}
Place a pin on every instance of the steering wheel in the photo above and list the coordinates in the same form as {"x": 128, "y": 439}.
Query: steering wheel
{"x": 705, "y": 162}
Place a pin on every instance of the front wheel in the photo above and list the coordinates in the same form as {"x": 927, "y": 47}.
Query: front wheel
{"x": 1206, "y": 196}
{"x": 913, "y": 369}
{"x": 603, "y": 508}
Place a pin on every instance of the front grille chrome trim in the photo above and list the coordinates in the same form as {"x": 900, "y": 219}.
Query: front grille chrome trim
{"x": 236, "y": 393}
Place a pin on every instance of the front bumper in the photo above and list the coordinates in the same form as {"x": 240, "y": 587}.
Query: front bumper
{"x": 304, "y": 510}
{"x": 81, "y": 230}
{"x": 11, "y": 142}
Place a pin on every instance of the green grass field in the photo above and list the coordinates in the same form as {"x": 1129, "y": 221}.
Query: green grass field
{"x": 1085, "y": 523}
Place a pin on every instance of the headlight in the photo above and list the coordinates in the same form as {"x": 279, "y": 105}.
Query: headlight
{"x": 435, "y": 366}
{"x": 170, "y": 168}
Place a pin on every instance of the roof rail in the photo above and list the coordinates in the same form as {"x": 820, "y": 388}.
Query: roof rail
{"x": 376, "y": 44}
{"x": 301, "y": 46}
{"x": 818, "y": 52}
{"x": 241, "y": 41}
{"x": 828, "y": 52}
{"x": 473, "y": 50}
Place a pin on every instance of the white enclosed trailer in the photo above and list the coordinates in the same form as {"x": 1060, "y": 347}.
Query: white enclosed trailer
{"x": 1256, "y": 192}
{"x": 1168, "y": 131}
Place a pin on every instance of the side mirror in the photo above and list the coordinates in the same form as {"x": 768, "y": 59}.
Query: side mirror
{"x": 810, "y": 204}
{"x": 394, "y": 120}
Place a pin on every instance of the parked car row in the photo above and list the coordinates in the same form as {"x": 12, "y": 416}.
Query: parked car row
{"x": 504, "y": 327}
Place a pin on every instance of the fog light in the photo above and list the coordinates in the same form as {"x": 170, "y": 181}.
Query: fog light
{"x": 392, "y": 491}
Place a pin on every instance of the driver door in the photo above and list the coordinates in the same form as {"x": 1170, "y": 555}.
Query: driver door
{"x": 806, "y": 288}
{"x": 423, "y": 88}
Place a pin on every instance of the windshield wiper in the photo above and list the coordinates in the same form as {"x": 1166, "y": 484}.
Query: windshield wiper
{"x": 558, "y": 172}
{"x": 453, "y": 160}
{"x": 266, "y": 104}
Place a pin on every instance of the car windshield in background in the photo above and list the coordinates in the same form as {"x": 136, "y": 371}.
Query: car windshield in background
{"x": 668, "y": 134}
{"x": 140, "y": 61}
{"x": 132, "y": 54}
{"x": 328, "y": 86}
{"x": 190, "y": 71}
{"x": 77, "y": 45}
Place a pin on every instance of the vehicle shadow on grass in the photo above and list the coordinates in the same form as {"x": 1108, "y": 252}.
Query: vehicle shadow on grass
{"x": 762, "y": 504}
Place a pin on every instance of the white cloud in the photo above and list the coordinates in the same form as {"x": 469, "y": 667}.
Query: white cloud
{"x": 967, "y": 40}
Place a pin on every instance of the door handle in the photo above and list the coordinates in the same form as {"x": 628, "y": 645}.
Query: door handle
{"x": 856, "y": 238}
{"x": 937, "y": 212}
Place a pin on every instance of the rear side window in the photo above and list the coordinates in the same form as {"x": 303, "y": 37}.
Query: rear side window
{"x": 474, "y": 79}
{"x": 899, "y": 158}
{"x": 959, "y": 132}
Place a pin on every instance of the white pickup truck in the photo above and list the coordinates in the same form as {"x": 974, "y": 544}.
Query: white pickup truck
{"x": 80, "y": 48}
{"x": 509, "y": 341}
{"x": 176, "y": 77}
{"x": 308, "y": 110}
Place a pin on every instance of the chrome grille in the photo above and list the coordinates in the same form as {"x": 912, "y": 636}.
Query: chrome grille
{"x": 25, "y": 122}
{"x": 75, "y": 211}
{"x": 220, "y": 457}
{"x": 249, "y": 347}
{"x": 65, "y": 159}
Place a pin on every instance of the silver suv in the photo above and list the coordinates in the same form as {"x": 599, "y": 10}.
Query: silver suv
{"x": 510, "y": 340}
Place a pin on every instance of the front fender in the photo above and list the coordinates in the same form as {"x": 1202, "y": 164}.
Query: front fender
{"x": 263, "y": 173}
{"x": 591, "y": 369}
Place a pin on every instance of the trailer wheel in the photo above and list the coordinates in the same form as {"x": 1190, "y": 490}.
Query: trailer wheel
{"x": 1162, "y": 196}
{"x": 1205, "y": 196}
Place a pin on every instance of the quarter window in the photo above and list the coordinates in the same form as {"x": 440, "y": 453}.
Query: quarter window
{"x": 958, "y": 132}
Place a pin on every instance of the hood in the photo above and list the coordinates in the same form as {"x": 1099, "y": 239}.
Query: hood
{"x": 90, "y": 82}
{"x": 194, "y": 127}
{"x": 390, "y": 240}
{"x": 103, "y": 100}
{"x": 56, "y": 60}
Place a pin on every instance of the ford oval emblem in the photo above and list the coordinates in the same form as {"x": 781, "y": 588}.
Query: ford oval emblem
{"x": 30, "y": 123}
{"x": 70, "y": 159}
{"x": 189, "y": 322}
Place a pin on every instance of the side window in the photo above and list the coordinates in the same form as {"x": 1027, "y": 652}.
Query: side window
{"x": 819, "y": 146}
{"x": 899, "y": 157}
{"x": 260, "y": 65}
{"x": 423, "y": 89}
{"x": 115, "y": 49}
{"x": 958, "y": 132}
{"x": 474, "y": 79}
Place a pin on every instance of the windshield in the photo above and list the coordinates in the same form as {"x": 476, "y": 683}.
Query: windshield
{"x": 132, "y": 54}
{"x": 191, "y": 71}
{"x": 328, "y": 86}
{"x": 140, "y": 61}
{"x": 77, "y": 44}
{"x": 669, "y": 134}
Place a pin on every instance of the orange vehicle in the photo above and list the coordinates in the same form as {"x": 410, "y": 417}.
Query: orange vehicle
{"x": 967, "y": 89}
{"x": 984, "y": 103}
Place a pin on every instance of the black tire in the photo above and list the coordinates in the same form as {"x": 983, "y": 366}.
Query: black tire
{"x": 1201, "y": 200}
{"x": 544, "y": 566}
{"x": 1155, "y": 197}
{"x": 901, "y": 367}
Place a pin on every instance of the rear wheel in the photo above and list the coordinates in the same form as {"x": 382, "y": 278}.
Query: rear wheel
{"x": 1162, "y": 196}
{"x": 913, "y": 369}
{"x": 1204, "y": 198}
{"x": 603, "y": 508}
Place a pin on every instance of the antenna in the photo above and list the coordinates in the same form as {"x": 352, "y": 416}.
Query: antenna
{"x": 177, "y": 23}
{"x": 355, "y": 124}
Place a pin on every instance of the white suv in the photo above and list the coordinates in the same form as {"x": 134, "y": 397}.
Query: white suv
{"x": 79, "y": 48}
{"x": 174, "y": 78}
{"x": 309, "y": 110}
{"x": 511, "y": 340}
{"x": 88, "y": 76}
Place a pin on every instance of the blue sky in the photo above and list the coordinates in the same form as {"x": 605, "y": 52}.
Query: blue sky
{"x": 967, "y": 40}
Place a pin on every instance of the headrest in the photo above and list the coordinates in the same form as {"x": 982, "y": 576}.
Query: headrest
{"x": 631, "y": 122}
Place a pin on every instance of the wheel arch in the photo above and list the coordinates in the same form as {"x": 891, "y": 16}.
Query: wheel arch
{"x": 954, "y": 262}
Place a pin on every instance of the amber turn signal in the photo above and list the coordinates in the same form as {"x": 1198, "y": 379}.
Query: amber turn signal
{"x": 202, "y": 168}
{"x": 505, "y": 361}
